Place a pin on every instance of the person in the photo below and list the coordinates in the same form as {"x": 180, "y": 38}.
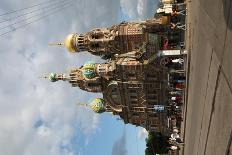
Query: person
{"x": 179, "y": 86}
{"x": 177, "y": 108}
{"x": 174, "y": 93}
{"x": 177, "y": 13}
{"x": 177, "y": 76}
{"x": 165, "y": 44}
{"x": 175, "y": 130}
{"x": 176, "y": 98}
{"x": 178, "y": 26}
{"x": 171, "y": 71}
{"x": 180, "y": 61}
{"x": 176, "y": 63}
{"x": 175, "y": 137}
{"x": 178, "y": 81}
{"x": 173, "y": 148}
{"x": 179, "y": 6}
{"x": 166, "y": 9}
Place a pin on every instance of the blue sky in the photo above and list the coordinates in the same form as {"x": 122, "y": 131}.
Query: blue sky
{"x": 38, "y": 117}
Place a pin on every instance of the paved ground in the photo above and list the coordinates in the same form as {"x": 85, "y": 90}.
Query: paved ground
{"x": 208, "y": 128}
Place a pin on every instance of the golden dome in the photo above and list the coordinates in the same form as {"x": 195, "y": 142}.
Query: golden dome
{"x": 69, "y": 43}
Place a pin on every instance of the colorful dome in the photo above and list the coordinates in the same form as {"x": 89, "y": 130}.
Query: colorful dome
{"x": 97, "y": 105}
{"x": 89, "y": 65}
{"x": 89, "y": 70}
{"x": 52, "y": 77}
{"x": 68, "y": 43}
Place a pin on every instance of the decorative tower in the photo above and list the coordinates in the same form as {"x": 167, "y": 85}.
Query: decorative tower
{"x": 119, "y": 39}
{"x": 91, "y": 77}
{"x": 78, "y": 78}
{"x": 133, "y": 82}
{"x": 130, "y": 89}
{"x": 98, "y": 105}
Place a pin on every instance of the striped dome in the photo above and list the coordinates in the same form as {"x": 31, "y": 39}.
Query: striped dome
{"x": 52, "y": 77}
{"x": 97, "y": 105}
{"x": 89, "y": 70}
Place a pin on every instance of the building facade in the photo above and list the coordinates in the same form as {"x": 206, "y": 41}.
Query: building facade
{"x": 130, "y": 38}
{"x": 130, "y": 89}
{"x": 133, "y": 81}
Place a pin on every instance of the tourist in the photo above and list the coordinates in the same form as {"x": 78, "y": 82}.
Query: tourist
{"x": 178, "y": 26}
{"x": 175, "y": 93}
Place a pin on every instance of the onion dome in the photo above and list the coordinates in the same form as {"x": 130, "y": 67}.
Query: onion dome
{"x": 89, "y": 70}
{"x": 97, "y": 105}
{"x": 52, "y": 77}
{"x": 69, "y": 43}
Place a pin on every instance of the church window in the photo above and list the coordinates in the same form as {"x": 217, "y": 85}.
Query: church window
{"x": 132, "y": 91}
{"x": 134, "y": 103}
{"x": 101, "y": 69}
{"x": 153, "y": 115}
{"x": 133, "y": 97}
{"x": 152, "y": 102}
{"x": 114, "y": 91}
{"x": 154, "y": 126}
{"x": 150, "y": 75}
{"x": 135, "y": 85}
{"x": 114, "y": 96}
{"x": 136, "y": 115}
{"x": 95, "y": 36}
{"x": 95, "y": 45}
{"x": 93, "y": 84}
{"x": 155, "y": 122}
{"x": 157, "y": 86}
{"x": 152, "y": 96}
{"x": 152, "y": 91}
{"x": 131, "y": 76}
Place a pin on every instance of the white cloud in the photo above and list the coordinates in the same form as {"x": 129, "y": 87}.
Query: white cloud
{"x": 142, "y": 133}
{"x": 119, "y": 146}
{"x": 26, "y": 100}
{"x": 129, "y": 7}
{"x": 38, "y": 117}
{"x": 138, "y": 9}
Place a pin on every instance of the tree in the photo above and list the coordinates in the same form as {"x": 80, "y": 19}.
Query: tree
{"x": 148, "y": 152}
{"x": 156, "y": 143}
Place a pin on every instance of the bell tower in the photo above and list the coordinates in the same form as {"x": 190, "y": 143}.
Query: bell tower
{"x": 119, "y": 39}
{"x": 90, "y": 77}
{"x": 97, "y": 42}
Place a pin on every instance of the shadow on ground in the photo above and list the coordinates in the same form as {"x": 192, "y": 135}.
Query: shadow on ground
{"x": 228, "y": 12}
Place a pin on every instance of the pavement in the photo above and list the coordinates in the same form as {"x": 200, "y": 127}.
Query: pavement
{"x": 208, "y": 115}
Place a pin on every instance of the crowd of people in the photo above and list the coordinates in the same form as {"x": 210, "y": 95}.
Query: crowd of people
{"x": 175, "y": 108}
{"x": 174, "y": 11}
{"x": 176, "y": 73}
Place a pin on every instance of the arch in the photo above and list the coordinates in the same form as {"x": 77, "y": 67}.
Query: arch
{"x": 111, "y": 102}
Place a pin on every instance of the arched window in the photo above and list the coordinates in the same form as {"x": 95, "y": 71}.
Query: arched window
{"x": 95, "y": 45}
{"x": 93, "y": 84}
{"x": 95, "y": 36}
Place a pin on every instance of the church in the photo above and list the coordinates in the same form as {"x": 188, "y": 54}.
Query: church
{"x": 133, "y": 80}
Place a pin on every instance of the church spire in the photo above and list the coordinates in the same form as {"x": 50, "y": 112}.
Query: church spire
{"x": 53, "y": 77}
{"x": 56, "y": 44}
{"x": 97, "y": 105}
{"x": 85, "y": 78}
{"x": 69, "y": 43}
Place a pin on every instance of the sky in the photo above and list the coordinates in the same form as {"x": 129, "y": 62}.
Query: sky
{"x": 41, "y": 118}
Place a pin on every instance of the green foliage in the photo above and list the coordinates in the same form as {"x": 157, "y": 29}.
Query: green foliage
{"x": 107, "y": 56}
{"x": 156, "y": 143}
{"x": 148, "y": 151}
